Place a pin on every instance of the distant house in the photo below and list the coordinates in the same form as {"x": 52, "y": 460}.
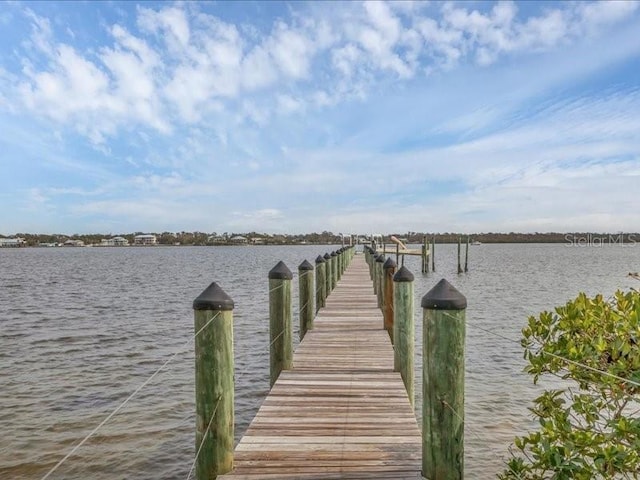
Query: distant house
{"x": 145, "y": 240}
{"x": 114, "y": 242}
{"x": 217, "y": 239}
{"x": 73, "y": 243}
{"x": 239, "y": 240}
{"x": 12, "y": 242}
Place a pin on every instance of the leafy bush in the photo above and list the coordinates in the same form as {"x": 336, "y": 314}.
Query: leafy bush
{"x": 591, "y": 428}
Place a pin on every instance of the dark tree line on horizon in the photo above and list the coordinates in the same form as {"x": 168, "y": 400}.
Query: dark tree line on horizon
{"x": 326, "y": 237}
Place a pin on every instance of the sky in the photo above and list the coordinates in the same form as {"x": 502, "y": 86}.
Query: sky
{"x": 297, "y": 117}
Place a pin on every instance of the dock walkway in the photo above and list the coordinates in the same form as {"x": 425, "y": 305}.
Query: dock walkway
{"x": 342, "y": 412}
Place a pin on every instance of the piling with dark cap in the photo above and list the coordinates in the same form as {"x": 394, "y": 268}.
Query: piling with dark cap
{"x": 379, "y": 278}
{"x": 443, "y": 328}
{"x": 280, "y": 318}
{"x": 213, "y": 321}
{"x": 389, "y": 269}
{"x": 328, "y": 274}
{"x": 404, "y": 329}
{"x": 321, "y": 285}
{"x": 306, "y": 297}
{"x": 334, "y": 269}
{"x": 374, "y": 278}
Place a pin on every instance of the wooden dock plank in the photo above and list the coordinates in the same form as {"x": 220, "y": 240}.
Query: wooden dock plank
{"x": 341, "y": 413}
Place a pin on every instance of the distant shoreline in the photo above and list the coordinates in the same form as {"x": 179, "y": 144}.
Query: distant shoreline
{"x": 324, "y": 238}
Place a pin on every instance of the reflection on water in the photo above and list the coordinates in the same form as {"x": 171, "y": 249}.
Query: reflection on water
{"x": 80, "y": 329}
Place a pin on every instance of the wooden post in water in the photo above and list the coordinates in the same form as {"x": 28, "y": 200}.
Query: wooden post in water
{"x": 306, "y": 297}
{"x": 404, "y": 329}
{"x": 433, "y": 253}
{"x": 213, "y": 320}
{"x": 459, "y": 249}
{"x": 466, "y": 256}
{"x": 443, "y": 336}
{"x": 328, "y": 273}
{"x": 397, "y": 253}
{"x": 389, "y": 268}
{"x": 379, "y": 279}
{"x": 280, "y": 328}
{"x": 425, "y": 245}
{"x": 321, "y": 282}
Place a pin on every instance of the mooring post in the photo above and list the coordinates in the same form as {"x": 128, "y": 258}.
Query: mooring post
{"x": 374, "y": 271}
{"x": 459, "y": 255}
{"x": 466, "y": 256}
{"x": 380, "y": 279}
{"x": 334, "y": 269}
{"x": 328, "y": 273}
{"x": 213, "y": 321}
{"x": 306, "y": 298}
{"x": 389, "y": 268}
{"x": 443, "y": 336}
{"x": 280, "y": 328}
{"x": 433, "y": 253}
{"x": 425, "y": 243}
{"x": 404, "y": 329}
{"x": 321, "y": 283}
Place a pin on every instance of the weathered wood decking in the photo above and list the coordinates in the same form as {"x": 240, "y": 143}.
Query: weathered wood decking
{"x": 341, "y": 412}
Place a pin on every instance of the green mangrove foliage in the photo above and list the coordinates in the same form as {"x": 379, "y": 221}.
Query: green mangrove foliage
{"x": 591, "y": 428}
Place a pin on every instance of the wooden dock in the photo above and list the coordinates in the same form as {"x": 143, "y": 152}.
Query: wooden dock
{"x": 342, "y": 412}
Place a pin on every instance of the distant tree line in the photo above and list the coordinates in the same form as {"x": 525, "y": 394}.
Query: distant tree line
{"x": 326, "y": 237}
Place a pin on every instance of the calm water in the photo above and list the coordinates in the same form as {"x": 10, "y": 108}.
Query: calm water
{"x": 82, "y": 328}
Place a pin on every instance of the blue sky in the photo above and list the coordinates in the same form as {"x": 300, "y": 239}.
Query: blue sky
{"x": 299, "y": 117}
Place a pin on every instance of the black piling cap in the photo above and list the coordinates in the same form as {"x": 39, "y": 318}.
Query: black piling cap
{"x": 280, "y": 272}
{"x": 319, "y": 259}
{"x": 403, "y": 275}
{"x": 213, "y": 298}
{"x": 334, "y": 254}
{"x": 444, "y": 296}
{"x": 390, "y": 263}
{"x": 305, "y": 266}
{"x": 380, "y": 259}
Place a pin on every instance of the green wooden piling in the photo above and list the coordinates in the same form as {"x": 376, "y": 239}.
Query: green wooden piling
{"x": 443, "y": 328}
{"x": 321, "y": 283}
{"x": 379, "y": 279}
{"x": 374, "y": 272}
{"x": 328, "y": 274}
{"x": 459, "y": 249}
{"x": 404, "y": 329}
{"x": 389, "y": 269}
{"x": 306, "y": 297}
{"x": 334, "y": 269}
{"x": 213, "y": 321}
{"x": 280, "y": 327}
